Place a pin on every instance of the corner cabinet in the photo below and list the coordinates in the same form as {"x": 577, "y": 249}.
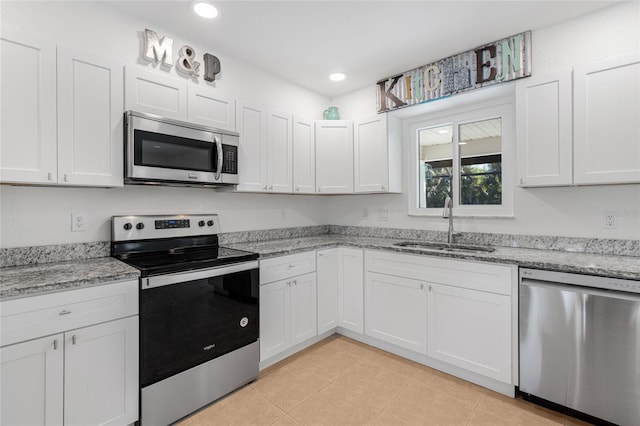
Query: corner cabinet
{"x": 334, "y": 156}
{"x": 72, "y": 136}
{"x": 340, "y": 289}
{"x": 544, "y": 130}
{"x": 85, "y": 368}
{"x": 377, "y": 154}
{"x": 606, "y": 129}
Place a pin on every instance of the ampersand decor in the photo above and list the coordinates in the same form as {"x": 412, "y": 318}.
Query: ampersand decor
{"x": 186, "y": 62}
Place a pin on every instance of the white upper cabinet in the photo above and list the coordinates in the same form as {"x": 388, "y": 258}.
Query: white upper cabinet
{"x": 28, "y": 108}
{"x": 544, "y": 132}
{"x": 304, "y": 156}
{"x": 377, "y": 154}
{"x": 72, "y": 136}
{"x": 334, "y": 156}
{"x": 606, "y": 126}
{"x": 205, "y": 106}
{"x": 155, "y": 93}
{"x": 279, "y": 151}
{"x": 90, "y": 119}
{"x": 251, "y": 123}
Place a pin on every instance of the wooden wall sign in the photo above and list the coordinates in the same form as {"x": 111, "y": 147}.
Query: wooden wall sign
{"x": 503, "y": 60}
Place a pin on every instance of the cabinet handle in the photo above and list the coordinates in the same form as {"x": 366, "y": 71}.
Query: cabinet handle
{"x": 297, "y": 189}
{"x": 292, "y": 266}
{"x": 66, "y": 179}
{"x": 49, "y": 176}
{"x": 430, "y": 288}
{"x": 382, "y": 187}
{"x": 64, "y": 312}
{"x": 270, "y": 187}
{"x": 319, "y": 189}
{"x": 321, "y": 254}
{"x": 73, "y": 339}
{"x": 421, "y": 286}
{"x": 288, "y": 283}
{"x": 264, "y": 188}
{"x": 295, "y": 282}
{"x": 55, "y": 344}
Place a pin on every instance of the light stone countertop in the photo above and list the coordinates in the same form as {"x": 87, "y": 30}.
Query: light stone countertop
{"x": 31, "y": 280}
{"x": 626, "y": 267}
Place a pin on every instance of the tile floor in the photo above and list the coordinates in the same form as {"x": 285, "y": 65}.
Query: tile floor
{"x": 340, "y": 381}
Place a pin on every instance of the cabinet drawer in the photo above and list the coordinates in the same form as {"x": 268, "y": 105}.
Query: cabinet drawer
{"x": 469, "y": 274}
{"x": 31, "y": 317}
{"x": 279, "y": 268}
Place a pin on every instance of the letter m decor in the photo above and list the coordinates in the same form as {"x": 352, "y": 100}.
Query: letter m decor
{"x": 158, "y": 50}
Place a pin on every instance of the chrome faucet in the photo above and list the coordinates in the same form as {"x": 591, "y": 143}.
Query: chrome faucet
{"x": 448, "y": 213}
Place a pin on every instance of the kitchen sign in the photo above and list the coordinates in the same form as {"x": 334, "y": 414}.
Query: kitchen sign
{"x": 161, "y": 50}
{"x": 503, "y": 60}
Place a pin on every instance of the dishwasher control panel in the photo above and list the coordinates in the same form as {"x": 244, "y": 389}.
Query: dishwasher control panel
{"x": 592, "y": 281}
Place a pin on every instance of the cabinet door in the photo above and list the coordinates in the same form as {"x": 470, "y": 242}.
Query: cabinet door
{"x": 334, "y": 156}
{"x": 275, "y": 318}
{"x": 328, "y": 279}
{"x": 303, "y": 308}
{"x": 31, "y": 382}
{"x": 279, "y": 152}
{"x": 90, "y": 106}
{"x": 351, "y": 289}
{"x": 304, "y": 156}
{"x": 27, "y": 108}
{"x": 155, "y": 93}
{"x": 544, "y": 121}
{"x": 606, "y": 130}
{"x": 471, "y": 329}
{"x": 207, "y": 107}
{"x": 396, "y": 311}
{"x": 251, "y": 123}
{"x": 104, "y": 359}
{"x": 371, "y": 156}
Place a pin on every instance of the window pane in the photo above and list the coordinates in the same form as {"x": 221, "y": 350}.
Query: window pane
{"x": 436, "y": 165}
{"x": 481, "y": 162}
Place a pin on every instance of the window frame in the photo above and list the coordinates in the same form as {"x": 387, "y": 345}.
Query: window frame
{"x": 501, "y": 108}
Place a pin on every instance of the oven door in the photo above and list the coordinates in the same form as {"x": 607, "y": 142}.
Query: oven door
{"x": 189, "y": 318}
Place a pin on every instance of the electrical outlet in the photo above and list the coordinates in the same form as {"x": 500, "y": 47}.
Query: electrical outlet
{"x": 383, "y": 215}
{"x": 283, "y": 215}
{"x": 365, "y": 214}
{"x": 610, "y": 221}
{"x": 78, "y": 222}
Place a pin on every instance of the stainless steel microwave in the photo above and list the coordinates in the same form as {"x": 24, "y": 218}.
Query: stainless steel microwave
{"x": 169, "y": 152}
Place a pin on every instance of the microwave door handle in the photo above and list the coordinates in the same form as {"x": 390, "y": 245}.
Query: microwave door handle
{"x": 220, "y": 159}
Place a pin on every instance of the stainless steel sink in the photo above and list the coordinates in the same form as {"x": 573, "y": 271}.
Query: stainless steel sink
{"x": 426, "y": 245}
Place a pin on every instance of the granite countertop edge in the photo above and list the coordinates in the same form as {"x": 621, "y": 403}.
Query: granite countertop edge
{"x": 31, "y": 280}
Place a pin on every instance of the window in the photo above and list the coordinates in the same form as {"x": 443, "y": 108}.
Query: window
{"x": 467, "y": 156}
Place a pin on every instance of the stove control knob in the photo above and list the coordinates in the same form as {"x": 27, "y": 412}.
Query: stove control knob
{"x": 210, "y": 223}
{"x": 140, "y": 226}
{"x": 127, "y": 226}
{"x": 201, "y": 223}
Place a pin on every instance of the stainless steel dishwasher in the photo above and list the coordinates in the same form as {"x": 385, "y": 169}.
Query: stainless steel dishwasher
{"x": 580, "y": 343}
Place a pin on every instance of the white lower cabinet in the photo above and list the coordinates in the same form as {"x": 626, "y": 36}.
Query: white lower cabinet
{"x": 340, "y": 289}
{"x": 470, "y": 329}
{"x": 396, "y": 311}
{"x": 32, "y": 382}
{"x": 287, "y": 302}
{"x": 79, "y": 376}
{"x": 459, "y": 312}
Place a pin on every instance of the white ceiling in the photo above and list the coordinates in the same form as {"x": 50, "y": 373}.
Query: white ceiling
{"x": 304, "y": 41}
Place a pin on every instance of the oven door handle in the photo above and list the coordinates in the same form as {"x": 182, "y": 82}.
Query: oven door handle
{"x": 181, "y": 277}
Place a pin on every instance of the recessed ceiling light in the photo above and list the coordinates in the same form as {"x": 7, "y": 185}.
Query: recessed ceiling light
{"x": 204, "y": 9}
{"x": 337, "y": 76}
{"x": 443, "y": 131}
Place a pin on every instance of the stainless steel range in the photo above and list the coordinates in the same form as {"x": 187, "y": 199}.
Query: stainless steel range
{"x": 199, "y": 312}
